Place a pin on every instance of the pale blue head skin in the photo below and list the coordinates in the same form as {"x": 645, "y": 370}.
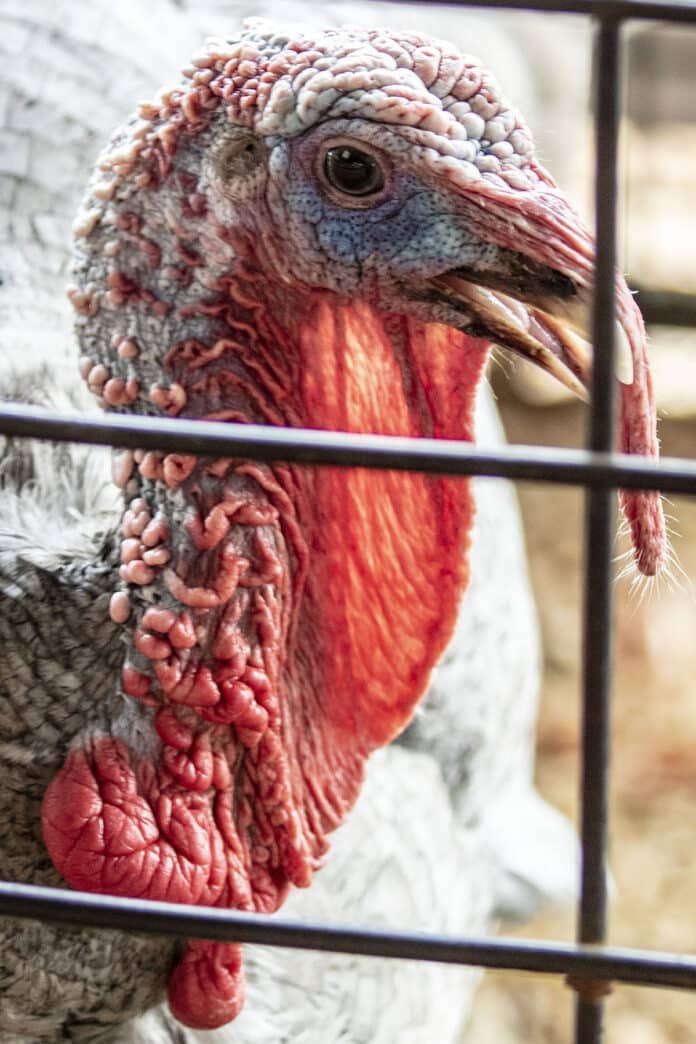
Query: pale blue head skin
{"x": 415, "y": 226}
{"x": 435, "y": 122}
{"x": 383, "y": 247}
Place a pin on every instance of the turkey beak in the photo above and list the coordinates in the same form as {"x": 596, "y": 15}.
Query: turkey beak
{"x": 551, "y": 330}
{"x": 528, "y": 288}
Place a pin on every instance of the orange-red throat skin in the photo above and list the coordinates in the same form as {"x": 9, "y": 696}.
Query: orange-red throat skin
{"x": 389, "y": 548}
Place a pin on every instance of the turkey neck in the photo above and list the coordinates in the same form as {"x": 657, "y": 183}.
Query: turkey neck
{"x": 280, "y": 622}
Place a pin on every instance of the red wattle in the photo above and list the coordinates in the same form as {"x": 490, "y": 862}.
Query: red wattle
{"x": 104, "y": 835}
{"x": 206, "y": 988}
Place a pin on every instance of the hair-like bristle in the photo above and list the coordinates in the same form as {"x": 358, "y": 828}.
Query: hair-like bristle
{"x": 670, "y": 578}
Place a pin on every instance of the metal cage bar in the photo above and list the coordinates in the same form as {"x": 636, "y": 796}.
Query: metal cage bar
{"x": 308, "y": 446}
{"x": 631, "y": 966}
{"x": 600, "y": 524}
{"x": 590, "y": 964}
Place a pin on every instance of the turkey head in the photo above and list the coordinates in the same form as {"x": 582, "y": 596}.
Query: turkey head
{"x": 321, "y": 231}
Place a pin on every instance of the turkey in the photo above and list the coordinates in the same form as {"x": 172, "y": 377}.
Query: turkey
{"x": 315, "y": 228}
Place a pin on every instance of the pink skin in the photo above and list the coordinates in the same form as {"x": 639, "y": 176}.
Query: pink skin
{"x": 137, "y": 573}
{"x": 262, "y": 605}
{"x": 119, "y": 607}
{"x": 126, "y": 347}
{"x": 170, "y": 400}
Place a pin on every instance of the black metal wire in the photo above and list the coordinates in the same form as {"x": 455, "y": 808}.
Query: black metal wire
{"x": 600, "y": 528}
{"x": 308, "y": 446}
{"x": 633, "y": 967}
{"x": 616, "y": 10}
{"x": 666, "y": 307}
{"x": 598, "y": 469}
{"x": 589, "y": 1020}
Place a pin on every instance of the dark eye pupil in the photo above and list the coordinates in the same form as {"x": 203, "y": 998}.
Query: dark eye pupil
{"x": 351, "y": 171}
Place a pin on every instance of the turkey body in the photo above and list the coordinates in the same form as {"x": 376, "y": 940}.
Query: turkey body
{"x": 434, "y": 839}
{"x": 438, "y": 821}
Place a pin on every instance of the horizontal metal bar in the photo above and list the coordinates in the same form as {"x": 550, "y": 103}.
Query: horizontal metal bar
{"x": 665, "y": 307}
{"x": 636, "y": 967}
{"x": 616, "y": 10}
{"x": 308, "y": 446}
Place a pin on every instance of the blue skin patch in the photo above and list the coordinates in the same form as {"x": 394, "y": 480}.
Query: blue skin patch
{"x": 414, "y": 225}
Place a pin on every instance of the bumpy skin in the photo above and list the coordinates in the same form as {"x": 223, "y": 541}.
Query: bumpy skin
{"x": 59, "y": 672}
{"x": 259, "y": 631}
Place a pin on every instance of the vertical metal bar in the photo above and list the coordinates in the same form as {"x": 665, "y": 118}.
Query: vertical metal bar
{"x": 599, "y": 538}
{"x": 589, "y": 1021}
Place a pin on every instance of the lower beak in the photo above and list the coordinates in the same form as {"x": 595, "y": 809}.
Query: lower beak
{"x": 550, "y": 331}
{"x": 521, "y": 302}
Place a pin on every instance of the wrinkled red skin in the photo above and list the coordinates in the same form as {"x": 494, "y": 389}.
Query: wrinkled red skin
{"x": 270, "y": 653}
{"x": 206, "y": 988}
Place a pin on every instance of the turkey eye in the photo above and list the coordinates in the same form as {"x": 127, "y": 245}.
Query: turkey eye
{"x": 353, "y": 171}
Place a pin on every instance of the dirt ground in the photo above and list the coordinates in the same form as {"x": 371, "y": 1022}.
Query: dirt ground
{"x": 653, "y": 833}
